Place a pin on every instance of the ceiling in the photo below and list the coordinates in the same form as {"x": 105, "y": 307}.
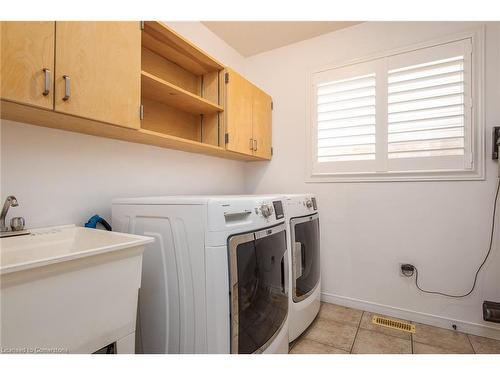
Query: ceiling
{"x": 252, "y": 37}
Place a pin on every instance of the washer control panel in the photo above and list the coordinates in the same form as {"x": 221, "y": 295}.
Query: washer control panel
{"x": 245, "y": 212}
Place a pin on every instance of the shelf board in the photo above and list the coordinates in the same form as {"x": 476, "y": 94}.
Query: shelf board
{"x": 162, "y": 91}
{"x": 188, "y": 145}
{"x": 182, "y": 144}
{"x": 51, "y": 119}
{"x": 165, "y": 42}
{"x": 170, "y": 141}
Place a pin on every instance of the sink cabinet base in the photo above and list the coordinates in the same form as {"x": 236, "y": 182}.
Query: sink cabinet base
{"x": 76, "y": 306}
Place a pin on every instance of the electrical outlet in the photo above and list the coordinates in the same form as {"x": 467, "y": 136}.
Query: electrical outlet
{"x": 400, "y": 269}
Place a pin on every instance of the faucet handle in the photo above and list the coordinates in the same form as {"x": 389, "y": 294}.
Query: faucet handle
{"x": 12, "y": 201}
{"x": 17, "y": 223}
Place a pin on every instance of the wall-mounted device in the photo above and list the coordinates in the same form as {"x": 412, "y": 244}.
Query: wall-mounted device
{"x": 494, "y": 142}
{"x": 491, "y": 311}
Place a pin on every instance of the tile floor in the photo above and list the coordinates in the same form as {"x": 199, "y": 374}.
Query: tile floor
{"x": 341, "y": 330}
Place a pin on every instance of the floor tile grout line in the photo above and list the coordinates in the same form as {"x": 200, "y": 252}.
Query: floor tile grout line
{"x": 304, "y": 336}
{"x": 322, "y": 343}
{"x": 357, "y": 330}
{"x": 439, "y": 346}
{"x": 390, "y": 337}
{"x": 319, "y": 342}
{"x": 470, "y": 342}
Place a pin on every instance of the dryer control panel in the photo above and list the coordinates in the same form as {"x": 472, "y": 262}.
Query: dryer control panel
{"x": 300, "y": 204}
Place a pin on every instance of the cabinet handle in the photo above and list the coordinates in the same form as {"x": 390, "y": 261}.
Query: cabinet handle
{"x": 46, "y": 89}
{"x": 67, "y": 87}
{"x": 255, "y": 145}
{"x": 251, "y": 144}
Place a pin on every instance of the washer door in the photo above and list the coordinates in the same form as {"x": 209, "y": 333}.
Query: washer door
{"x": 259, "y": 292}
{"x": 305, "y": 255}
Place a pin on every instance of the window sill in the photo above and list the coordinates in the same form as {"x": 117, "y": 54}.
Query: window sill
{"x": 397, "y": 176}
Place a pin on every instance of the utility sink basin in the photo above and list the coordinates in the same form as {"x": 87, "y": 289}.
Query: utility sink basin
{"x": 59, "y": 244}
{"x": 69, "y": 289}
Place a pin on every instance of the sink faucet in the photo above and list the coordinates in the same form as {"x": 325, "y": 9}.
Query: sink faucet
{"x": 11, "y": 201}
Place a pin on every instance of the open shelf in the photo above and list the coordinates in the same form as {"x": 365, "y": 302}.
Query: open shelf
{"x": 157, "y": 89}
{"x": 181, "y": 90}
{"x": 51, "y": 119}
{"x": 165, "y": 42}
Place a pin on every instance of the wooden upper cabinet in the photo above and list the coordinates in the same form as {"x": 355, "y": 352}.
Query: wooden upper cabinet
{"x": 262, "y": 123}
{"x": 98, "y": 71}
{"x": 101, "y": 78}
{"x": 248, "y": 117}
{"x": 27, "y": 63}
{"x": 238, "y": 113}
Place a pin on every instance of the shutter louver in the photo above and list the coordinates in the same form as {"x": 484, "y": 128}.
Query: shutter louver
{"x": 346, "y": 119}
{"x": 426, "y": 109}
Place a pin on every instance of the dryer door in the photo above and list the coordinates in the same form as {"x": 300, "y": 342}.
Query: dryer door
{"x": 305, "y": 255}
{"x": 259, "y": 292}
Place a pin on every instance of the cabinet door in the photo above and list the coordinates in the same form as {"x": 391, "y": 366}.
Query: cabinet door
{"x": 262, "y": 123}
{"x": 102, "y": 65}
{"x": 238, "y": 113}
{"x": 27, "y": 62}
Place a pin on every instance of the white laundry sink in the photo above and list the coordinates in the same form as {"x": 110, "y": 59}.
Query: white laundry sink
{"x": 69, "y": 290}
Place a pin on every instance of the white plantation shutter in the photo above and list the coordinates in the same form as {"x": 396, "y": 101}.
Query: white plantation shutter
{"x": 345, "y": 116}
{"x": 346, "y": 119}
{"x": 407, "y": 112}
{"x": 428, "y": 113}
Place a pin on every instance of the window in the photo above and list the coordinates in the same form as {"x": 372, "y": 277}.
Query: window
{"x": 404, "y": 115}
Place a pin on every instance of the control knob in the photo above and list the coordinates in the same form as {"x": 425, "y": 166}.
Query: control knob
{"x": 266, "y": 210}
{"x": 309, "y": 203}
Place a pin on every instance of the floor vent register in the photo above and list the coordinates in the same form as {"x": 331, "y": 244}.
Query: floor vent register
{"x": 393, "y": 323}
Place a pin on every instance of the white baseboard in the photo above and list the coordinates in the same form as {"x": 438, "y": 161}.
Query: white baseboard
{"x": 415, "y": 316}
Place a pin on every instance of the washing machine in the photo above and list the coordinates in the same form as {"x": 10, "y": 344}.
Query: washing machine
{"x": 215, "y": 280}
{"x": 302, "y": 219}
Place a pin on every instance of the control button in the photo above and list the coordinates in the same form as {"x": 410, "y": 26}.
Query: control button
{"x": 309, "y": 203}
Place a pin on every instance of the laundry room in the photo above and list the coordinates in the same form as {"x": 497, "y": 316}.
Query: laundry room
{"x": 317, "y": 182}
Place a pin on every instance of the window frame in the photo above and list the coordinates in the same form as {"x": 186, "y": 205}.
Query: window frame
{"x": 477, "y": 135}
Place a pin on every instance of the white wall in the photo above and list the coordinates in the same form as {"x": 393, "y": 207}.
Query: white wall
{"x": 369, "y": 228}
{"x": 62, "y": 177}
